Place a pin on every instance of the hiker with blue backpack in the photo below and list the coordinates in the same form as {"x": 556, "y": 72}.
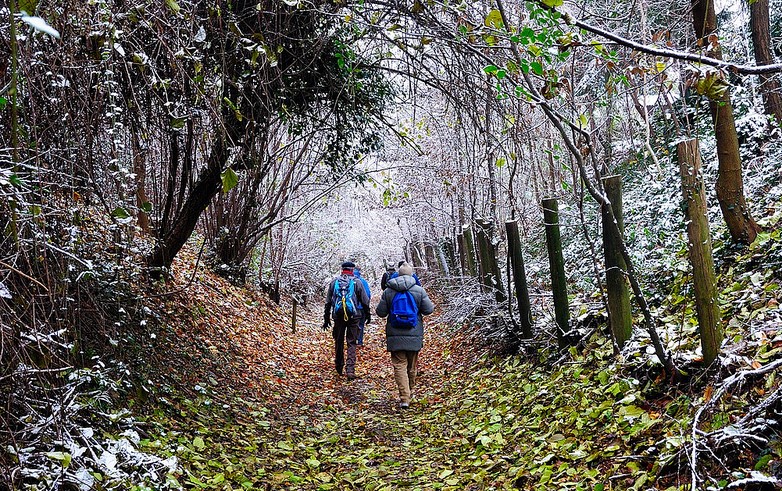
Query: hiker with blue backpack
{"x": 345, "y": 294}
{"x": 405, "y": 303}
{"x": 364, "y": 314}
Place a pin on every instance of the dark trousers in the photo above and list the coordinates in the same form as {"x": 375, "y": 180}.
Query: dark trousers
{"x": 361, "y": 322}
{"x": 345, "y": 331}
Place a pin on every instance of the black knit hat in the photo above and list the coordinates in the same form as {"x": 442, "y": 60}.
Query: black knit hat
{"x": 348, "y": 264}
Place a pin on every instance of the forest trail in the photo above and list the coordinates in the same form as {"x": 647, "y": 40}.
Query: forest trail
{"x": 290, "y": 421}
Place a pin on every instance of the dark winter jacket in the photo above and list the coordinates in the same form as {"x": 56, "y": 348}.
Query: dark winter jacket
{"x": 385, "y": 278}
{"x": 362, "y": 298}
{"x": 401, "y": 339}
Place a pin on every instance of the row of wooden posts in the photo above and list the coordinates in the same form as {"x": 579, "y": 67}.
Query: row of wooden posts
{"x": 475, "y": 255}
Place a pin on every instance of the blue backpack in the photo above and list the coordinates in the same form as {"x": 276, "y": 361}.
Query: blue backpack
{"x": 344, "y": 299}
{"x": 404, "y": 311}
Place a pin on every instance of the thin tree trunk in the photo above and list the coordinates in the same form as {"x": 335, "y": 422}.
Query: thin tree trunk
{"x": 13, "y": 90}
{"x": 140, "y": 169}
{"x": 761, "y": 43}
{"x": 730, "y": 186}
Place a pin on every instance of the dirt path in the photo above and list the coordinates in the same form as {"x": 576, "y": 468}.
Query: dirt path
{"x": 308, "y": 379}
{"x": 289, "y": 420}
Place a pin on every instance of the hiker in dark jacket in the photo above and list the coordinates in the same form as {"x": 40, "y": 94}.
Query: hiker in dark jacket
{"x": 345, "y": 325}
{"x": 365, "y": 314}
{"x": 386, "y": 276}
{"x": 404, "y": 343}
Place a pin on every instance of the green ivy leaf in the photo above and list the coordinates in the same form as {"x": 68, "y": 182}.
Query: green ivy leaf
{"x": 174, "y": 6}
{"x": 763, "y": 462}
{"x": 178, "y": 123}
{"x": 229, "y": 179}
{"x": 536, "y": 67}
{"x": 552, "y": 4}
{"x": 120, "y": 212}
{"x": 534, "y": 49}
{"x": 64, "y": 458}
{"x": 494, "y": 19}
{"x": 712, "y": 86}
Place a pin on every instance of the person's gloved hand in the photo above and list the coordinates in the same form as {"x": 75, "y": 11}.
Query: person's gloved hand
{"x": 326, "y": 325}
{"x": 368, "y": 319}
{"x": 326, "y": 318}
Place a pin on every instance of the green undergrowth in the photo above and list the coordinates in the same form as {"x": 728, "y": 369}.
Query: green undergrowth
{"x": 504, "y": 424}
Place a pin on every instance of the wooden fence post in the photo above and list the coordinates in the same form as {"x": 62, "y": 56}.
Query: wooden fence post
{"x": 447, "y": 249}
{"x": 620, "y": 316}
{"x": 557, "y": 265}
{"x": 462, "y": 254}
{"x": 442, "y": 259}
{"x": 469, "y": 250}
{"x": 490, "y": 270}
{"x": 706, "y": 303}
{"x": 519, "y": 277}
{"x": 431, "y": 258}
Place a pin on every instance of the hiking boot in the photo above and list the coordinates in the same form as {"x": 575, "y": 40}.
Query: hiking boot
{"x": 404, "y": 405}
{"x": 351, "y": 376}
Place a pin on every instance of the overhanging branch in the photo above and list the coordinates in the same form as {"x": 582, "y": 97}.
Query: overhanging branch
{"x": 675, "y": 54}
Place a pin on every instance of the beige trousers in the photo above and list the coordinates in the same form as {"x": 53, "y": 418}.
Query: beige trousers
{"x": 404, "y": 363}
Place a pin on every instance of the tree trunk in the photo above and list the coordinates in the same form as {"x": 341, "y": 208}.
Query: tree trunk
{"x": 139, "y": 168}
{"x": 761, "y": 43}
{"x": 184, "y": 222}
{"x": 557, "y": 265}
{"x": 519, "y": 278}
{"x": 418, "y": 255}
{"x": 619, "y": 313}
{"x": 706, "y": 303}
{"x": 730, "y": 186}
